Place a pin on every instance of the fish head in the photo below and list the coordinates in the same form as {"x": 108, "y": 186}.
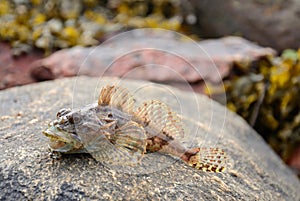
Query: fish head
{"x": 73, "y": 130}
{"x": 62, "y": 133}
{"x": 108, "y": 114}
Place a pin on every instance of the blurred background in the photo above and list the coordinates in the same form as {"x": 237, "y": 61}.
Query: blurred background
{"x": 259, "y": 67}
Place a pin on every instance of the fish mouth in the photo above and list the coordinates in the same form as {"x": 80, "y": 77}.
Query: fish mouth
{"x": 55, "y": 134}
{"x": 60, "y": 146}
{"x": 58, "y": 140}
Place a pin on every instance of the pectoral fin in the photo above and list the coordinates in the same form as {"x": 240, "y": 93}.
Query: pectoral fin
{"x": 131, "y": 137}
{"x": 126, "y": 146}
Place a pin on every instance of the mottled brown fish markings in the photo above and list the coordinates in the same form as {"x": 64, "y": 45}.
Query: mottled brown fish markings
{"x": 112, "y": 131}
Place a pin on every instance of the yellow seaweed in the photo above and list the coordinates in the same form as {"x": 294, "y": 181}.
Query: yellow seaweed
{"x": 35, "y": 19}
{"x": 271, "y": 104}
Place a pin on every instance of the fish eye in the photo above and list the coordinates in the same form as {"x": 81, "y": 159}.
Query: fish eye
{"x": 70, "y": 118}
{"x": 110, "y": 115}
{"x": 75, "y": 118}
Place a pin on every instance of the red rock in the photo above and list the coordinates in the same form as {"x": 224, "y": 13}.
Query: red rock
{"x": 154, "y": 56}
{"x": 157, "y": 56}
{"x": 294, "y": 161}
{"x": 15, "y": 71}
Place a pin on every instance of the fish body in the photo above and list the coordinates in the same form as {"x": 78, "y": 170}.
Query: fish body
{"x": 113, "y": 131}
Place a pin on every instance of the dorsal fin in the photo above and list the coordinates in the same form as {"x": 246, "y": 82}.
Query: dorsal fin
{"x": 116, "y": 96}
{"x": 174, "y": 125}
{"x": 158, "y": 117}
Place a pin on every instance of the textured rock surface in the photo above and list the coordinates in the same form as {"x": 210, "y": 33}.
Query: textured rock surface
{"x": 28, "y": 173}
{"x": 273, "y": 23}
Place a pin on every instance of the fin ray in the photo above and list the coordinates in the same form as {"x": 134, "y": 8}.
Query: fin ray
{"x": 209, "y": 160}
{"x": 126, "y": 146}
{"x": 131, "y": 136}
{"x": 118, "y": 97}
{"x": 159, "y": 117}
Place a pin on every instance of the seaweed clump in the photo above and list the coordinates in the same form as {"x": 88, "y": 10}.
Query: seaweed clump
{"x": 57, "y": 24}
{"x": 267, "y": 95}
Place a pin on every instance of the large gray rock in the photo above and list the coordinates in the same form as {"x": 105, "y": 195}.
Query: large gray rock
{"x": 28, "y": 173}
{"x": 273, "y": 23}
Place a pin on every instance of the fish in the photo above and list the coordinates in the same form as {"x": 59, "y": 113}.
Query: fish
{"x": 113, "y": 131}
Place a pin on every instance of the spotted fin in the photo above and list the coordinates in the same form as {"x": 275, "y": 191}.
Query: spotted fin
{"x": 126, "y": 146}
{"x": 208, "y": 160}
{"x": 117, "y": 97}
{"x": 158, "y": 117}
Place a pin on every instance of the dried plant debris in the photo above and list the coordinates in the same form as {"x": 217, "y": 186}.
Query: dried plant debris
{"x": 267, "y": 95}
{"x": 60, "y": 24}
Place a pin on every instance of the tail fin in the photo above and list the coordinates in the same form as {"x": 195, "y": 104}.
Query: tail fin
{"x": 206, "y": 159}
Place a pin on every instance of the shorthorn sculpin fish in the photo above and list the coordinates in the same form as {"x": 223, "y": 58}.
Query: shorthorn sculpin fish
{"x": 112, "y": 131}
